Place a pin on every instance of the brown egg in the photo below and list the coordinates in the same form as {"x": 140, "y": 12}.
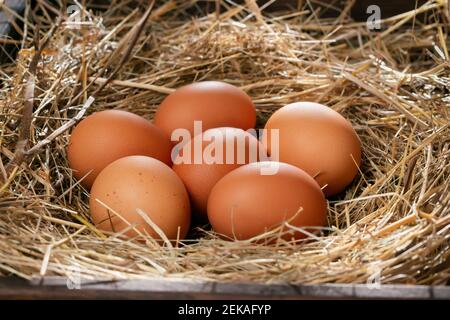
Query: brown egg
{"x": 109, "y": 135}
{"x": 261, "y": 196}
{"x": 139, "y": 182}
{"x": 215, "y": 104}
{"x": 318, "y": 140}
{"x": 212, "y": 149}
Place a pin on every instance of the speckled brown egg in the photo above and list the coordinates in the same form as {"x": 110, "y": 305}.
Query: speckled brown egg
{"x": 109, "y": 135}
{"x": 233, "y": 148}
{"x": 144, "y": 183}
{"x": 214, "y": 103}
{"x": 260, "y": 196}
{"x": 319, "y": 140}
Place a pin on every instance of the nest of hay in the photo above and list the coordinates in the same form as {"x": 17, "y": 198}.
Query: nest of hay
{"x": 390, "y": 226}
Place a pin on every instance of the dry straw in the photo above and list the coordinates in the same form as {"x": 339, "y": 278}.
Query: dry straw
{"x": 391, "y": 225}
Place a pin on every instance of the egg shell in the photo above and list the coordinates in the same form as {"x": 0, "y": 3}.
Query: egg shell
{"x": 145, "y": 183}
{"x": 319, "y": 140}
{"x": 106, "y": 136}
{"x": 215, "y": 104}
{"x": 240, "y": 146}
{"x": 246, "y": 203}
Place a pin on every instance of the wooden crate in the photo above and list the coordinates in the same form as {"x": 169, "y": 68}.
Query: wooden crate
{"x": 58, "y": 287}
{"x": 62, "y": 288}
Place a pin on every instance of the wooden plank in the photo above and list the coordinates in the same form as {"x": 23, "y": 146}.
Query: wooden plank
{"x": 167, "y": 288}
{"x": 387, "y": 8}
{"x": 14, "y": 5}
{"x": 6, "y": 31}
{"x": 333, "y": 8}
{"x": 330, "y": 8}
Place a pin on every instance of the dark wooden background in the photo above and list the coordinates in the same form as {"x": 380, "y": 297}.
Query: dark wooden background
{"x": 358, "y": 12}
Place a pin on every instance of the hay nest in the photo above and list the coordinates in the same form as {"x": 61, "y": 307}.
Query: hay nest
{"x": 390, "y": 226}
